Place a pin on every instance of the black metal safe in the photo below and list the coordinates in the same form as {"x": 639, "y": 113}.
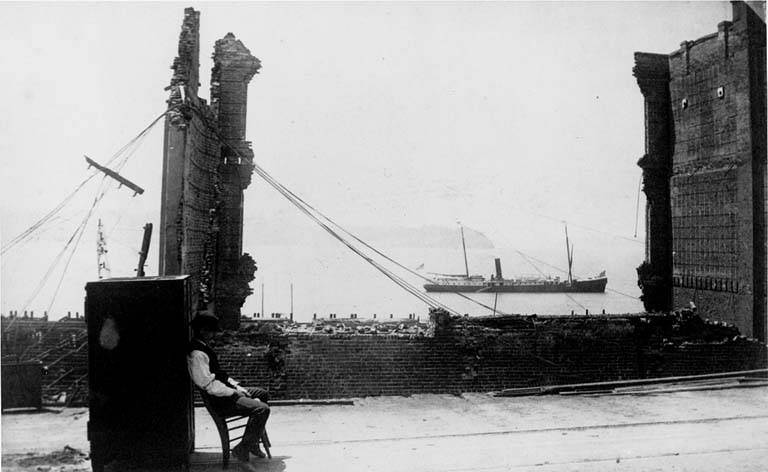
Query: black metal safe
{"x": 140, "y": 396}
{"x": 22, "y": 385}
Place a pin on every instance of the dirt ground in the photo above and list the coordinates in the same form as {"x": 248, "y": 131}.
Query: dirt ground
{"x": 66, "y": 460}
{"x": 709, "y": 430}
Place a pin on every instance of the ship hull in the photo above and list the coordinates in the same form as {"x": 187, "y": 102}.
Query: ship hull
{"x": 596, "y": 285}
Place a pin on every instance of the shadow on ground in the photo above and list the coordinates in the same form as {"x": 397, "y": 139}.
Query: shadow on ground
{"x": 211, "y": 462}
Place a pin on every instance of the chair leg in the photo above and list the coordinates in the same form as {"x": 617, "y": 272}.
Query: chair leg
{"x": 224, "y": 436}
{"x": 265, "y": 442}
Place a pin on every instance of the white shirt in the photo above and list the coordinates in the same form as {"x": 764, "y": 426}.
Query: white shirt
{"x": 199, "y": 368}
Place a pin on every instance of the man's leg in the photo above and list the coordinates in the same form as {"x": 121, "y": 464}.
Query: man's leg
{"x": 258, "y": 411}
{"x": 263, "y": 395}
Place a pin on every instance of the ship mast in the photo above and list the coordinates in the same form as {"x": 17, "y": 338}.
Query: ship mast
{"x": 464, "y": 247}
{"x": 101, "y": 254}
{"x": 569, "y": 253}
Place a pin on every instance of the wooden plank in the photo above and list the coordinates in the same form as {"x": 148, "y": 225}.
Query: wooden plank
{"x": 552, "y": 389}
{"x": 310, "y": 402}
{"x": 701, "y": 387}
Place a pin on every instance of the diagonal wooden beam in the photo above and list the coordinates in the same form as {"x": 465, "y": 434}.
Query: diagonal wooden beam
{"x": 122, "y": 180}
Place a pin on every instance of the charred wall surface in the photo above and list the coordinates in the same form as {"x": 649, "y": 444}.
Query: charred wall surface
{"x": 207, "y": 163}
{"x": 333, "y": 358}
{"x": 704, "y": 174}
{"x": 470, "y": 355}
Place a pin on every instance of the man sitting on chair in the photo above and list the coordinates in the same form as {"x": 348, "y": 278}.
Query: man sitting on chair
{"x": 226, "y": 396}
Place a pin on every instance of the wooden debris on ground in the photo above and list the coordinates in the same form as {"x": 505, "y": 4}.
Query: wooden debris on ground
{"x": 718, "y": 381}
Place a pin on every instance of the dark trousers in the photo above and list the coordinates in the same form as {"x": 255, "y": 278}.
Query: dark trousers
{"x": 255, "y": 406}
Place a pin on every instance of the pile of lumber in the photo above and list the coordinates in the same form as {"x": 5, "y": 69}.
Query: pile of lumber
{"x": 719, "y": 381}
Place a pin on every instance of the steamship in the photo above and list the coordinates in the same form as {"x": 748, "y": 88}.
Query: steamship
{"x": 498, "y": 284}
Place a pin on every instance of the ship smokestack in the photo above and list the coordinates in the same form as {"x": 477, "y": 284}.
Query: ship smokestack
{"x": 498, "y": 268}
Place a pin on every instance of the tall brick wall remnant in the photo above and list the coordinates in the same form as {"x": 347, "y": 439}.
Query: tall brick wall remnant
{"x": 232, "y": 71}
{"x": 655, "y": 275}
{"x": 704, "y": 174}
{"x": 207, "y": 163}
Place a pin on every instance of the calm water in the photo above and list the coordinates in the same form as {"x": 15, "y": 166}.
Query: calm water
{"x": 329, "y": 279}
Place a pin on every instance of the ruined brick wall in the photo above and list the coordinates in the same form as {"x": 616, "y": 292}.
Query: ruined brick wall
{"x": 201, "y": 211}
{"x": 470, "y": 356}
{"x": 234, "y": 66}
{"x": 697, "y": 359}
{"x": 717, "y": 169}
{"x": 554, "y": 351}
{"x": 757, "y": 78}
{"x": 713, "y": 209}
{"x": 655, "y": 274}
{"x": 353, "y": 365}
{"x": 184, "y": 80}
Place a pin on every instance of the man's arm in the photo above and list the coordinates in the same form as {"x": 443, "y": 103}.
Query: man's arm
{"x": 200, "y": 371}
{"x": 237, "y": 386}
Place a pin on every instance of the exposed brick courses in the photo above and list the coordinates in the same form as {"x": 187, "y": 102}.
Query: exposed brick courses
{"x": 473, "y": 355}
{"x": 207, "y": 165}
{"x": 715, "y": 236}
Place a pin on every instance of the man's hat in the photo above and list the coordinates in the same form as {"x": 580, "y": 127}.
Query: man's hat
{"x": 206, "y": 320}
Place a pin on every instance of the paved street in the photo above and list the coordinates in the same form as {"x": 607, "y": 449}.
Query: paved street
{"x": 686, "y": 431}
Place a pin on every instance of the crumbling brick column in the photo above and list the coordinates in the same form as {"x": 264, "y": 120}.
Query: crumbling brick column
{"x": 234, "y": 66}
{"x": 206, "y": 165}
{"x": 655, "y": 274}
{"x": 184, "y": 83}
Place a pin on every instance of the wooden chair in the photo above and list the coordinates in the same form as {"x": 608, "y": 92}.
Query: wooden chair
{"x": 227, "y": 424}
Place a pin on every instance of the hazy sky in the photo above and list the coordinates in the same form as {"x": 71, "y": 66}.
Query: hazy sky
{"x": 505, "y": 116}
